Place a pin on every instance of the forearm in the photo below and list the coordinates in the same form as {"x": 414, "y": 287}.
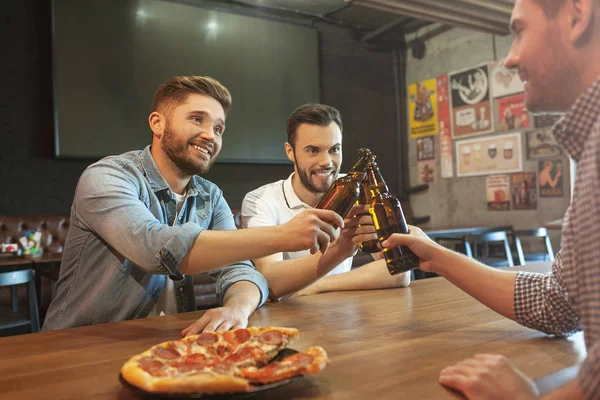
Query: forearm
{"x": 490, "y": 286}
{"x": 286, "y": 277}
{"x": 215, "y": 249}
{"x": 373, "y": 275}
{"x": 243, "y": 295}
{"x": 569, "y": 391}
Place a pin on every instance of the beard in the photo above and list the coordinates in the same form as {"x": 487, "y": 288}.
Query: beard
{"x": 309, "y": 185}
{"x": 178, "y": 152}
{"x": 551, "y": 89}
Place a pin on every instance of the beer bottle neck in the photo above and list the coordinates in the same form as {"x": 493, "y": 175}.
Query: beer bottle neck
{"x": 361, "y": 164}
{"x": 376, "y": 182}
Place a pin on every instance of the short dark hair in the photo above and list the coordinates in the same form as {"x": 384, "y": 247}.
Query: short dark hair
{"x": 176, "y": 90}
{"x": 312, "y": 114}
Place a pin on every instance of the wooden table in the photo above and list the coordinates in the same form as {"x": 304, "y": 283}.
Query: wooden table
{"x": 383, "y": 344}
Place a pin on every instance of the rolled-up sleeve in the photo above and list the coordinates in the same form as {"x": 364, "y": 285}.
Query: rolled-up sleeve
{"x": 541, "y": 302}
{"x": 242, "y": 271}
{"x": 110, "y": 202}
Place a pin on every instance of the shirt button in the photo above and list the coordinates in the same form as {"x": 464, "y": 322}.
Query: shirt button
{"x": 181, "y": 289}
{"x": 169, "y": 193}
{"x": 161, "y": 253}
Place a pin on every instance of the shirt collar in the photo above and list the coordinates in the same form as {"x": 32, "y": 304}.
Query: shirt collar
{"x": 290, "y": 195}
{"x": 158, "y": 182}
{"x": 572, "y": 130}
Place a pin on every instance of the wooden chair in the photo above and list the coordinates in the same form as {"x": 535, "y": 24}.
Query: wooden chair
{"x": 11, "y": 321}
{"x": 524, "y": 257}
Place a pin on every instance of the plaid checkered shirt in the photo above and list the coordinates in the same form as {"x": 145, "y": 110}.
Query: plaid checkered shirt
{"x": 568, "y": 299}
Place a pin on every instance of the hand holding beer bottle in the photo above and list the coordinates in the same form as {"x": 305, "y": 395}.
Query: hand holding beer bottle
{"x": 388, "y": 218}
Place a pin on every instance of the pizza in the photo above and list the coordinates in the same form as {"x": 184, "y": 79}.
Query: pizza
{"x": 221, "y": 362}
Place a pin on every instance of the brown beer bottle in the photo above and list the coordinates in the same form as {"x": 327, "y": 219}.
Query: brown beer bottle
{"x": 388, "y": 218}
{"x": 342, "y": 195}
{"x": 365, "y": 198}
{"x": 344, "y": 191}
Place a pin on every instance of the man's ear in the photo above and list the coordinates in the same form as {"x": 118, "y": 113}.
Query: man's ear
{"x": 156, "y": 121}
{"x": 289, "y": 151}
{"x": 581, "y": 16}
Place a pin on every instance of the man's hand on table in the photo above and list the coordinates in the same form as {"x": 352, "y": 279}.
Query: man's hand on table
{"x": 218, "y": 319}
{"x": 239, "y": 302}
{"x": 488, "y": 376}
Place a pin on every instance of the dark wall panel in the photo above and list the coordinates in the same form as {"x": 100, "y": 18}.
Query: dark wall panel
{"x": 356, "y": 81}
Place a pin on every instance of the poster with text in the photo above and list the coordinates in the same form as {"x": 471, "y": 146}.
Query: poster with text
{"x": 422, "y": 108}
{"x": 546, "y": 120}
{"x": 425, "y": 148}
{"x": 446, "y": 159}
{"x": 524, "y": 191}
{"x": 489, "y": 155}
{"x": 551, "y": 178}
{"x": 497, "y": 192}
{"x": 541, "y": 144}
{"x": 505, "y": 81}
{"x": 512, "y": 113}
{"x": 470, "y": 101}
{"x": 426, "y": 172}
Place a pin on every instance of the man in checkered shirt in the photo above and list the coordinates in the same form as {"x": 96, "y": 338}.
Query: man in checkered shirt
{"x": 556, "y": 50}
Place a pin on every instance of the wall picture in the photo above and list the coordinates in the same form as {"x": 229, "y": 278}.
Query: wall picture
{"x": 425, "y": 148}
{"x": 426, "y": 172}
{"x": 446, "y": 159}
{"x": 489, "y": 155}
{"x": 551, "y": 178}
{"x": 541, "y": 144}
{"x": 504, "y": 81}
{"x": 524, "y": 191}
{"x": 470, "y": 100}
{"x": 422, "y": 108}
{"x": 512, "y": 113}
{"x": 498, "y": 192}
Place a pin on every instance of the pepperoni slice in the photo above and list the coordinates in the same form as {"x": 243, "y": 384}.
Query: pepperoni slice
{"x": 241, "y": 355}
{"x": 271, "y": 337}
{"x": 242, "y": 335}
{"x": 196, "y": 358}
{"x": 206, "y": 339}
{"x": 167, "y": 353}
{"x": 223, "y": 349}
{"x": 230, "y": 337}
{"x": 153, "y": 367}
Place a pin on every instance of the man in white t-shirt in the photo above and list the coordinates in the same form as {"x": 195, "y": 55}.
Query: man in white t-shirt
{"x": 315, "y": 147}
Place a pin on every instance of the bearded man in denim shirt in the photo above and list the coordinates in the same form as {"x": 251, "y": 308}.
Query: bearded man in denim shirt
{"x": 143, "y": 221}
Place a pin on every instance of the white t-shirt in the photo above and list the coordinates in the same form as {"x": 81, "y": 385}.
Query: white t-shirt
{"x": 274, "y": 204}
{"x": 167, "y": 302}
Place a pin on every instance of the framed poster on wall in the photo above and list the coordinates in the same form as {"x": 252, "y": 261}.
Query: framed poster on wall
{"x": 470, "y": 102}
{"x": 488, "y": 155}
{"x": 446, "y": 159}
{"x": 504, "y": 81}
{"x": 422, "y": 108}
{"x": 512, "y": 113}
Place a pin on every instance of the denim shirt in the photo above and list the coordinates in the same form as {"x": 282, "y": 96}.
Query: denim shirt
{"x": 124, "y": 242}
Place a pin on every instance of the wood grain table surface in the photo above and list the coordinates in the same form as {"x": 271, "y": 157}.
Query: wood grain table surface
{"x": 387, "y": 344}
